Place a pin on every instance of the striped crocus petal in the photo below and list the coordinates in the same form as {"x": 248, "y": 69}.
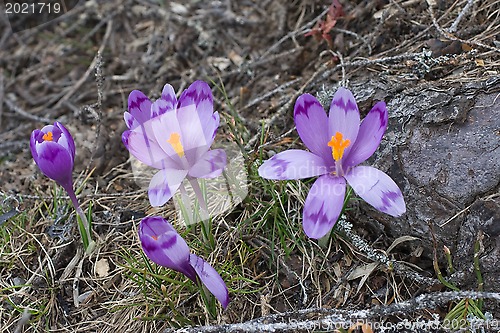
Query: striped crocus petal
{"x": 293, "y": 164}
{"x": 211, "y": 279}
{"x": 164, "y": 184}
{"x": 139, "y": 107}
{"x": 167, "y": 102}
{"x": 370, "y": 134}
{"x": 312, "y": 125}
{"x": 377, "y": 188}
{"x": 344, "y": 118}
{"x": 164, "y": 246}
{"x": 323, "y": 205}
{"x": 210, "y": 165}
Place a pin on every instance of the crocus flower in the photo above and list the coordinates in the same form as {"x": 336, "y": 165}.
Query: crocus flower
{"x": 164, "y": 246}
{"x": 174, "y": 136}
{"x": 337, "y": 144}
{"x": 53, "y": 150}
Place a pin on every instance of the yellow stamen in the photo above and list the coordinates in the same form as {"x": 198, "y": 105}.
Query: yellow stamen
{"x": 48, "y": 137}
{"x": 338, "y": 145}
{"x": 175, "y": 142}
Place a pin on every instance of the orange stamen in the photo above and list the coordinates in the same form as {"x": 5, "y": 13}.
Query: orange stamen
{"x": 338, "y": 144}
{"x": 175, "y": 142}
{"x": 154, "y": 237}
{"x": 48, "y": 137}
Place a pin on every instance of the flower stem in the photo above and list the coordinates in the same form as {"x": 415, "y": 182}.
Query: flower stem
{"x": 204, "y": 214}
{"x": 83, "y": 223}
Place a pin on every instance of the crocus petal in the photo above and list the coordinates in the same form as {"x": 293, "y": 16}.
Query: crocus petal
{"x": 377, "y": 188}
{"x": 344, "y": 117}
{"x": 165, "y": 248}
{"x": 323, "y": 205}
{"x": 154, "y": 226}
{"x": 193, "y": 136}
{"x": 163, "y": 127}
{"x": 54, "y": 161}
{"x": 293, "y": 164}
{"x": 139, "y": 106}
{"x": 167, "y": 102}
{"x": 146, "y": 149}
{"x": 211, "y": 279}
{"x": 210, "y": 165}
{"x": 198, "y": 94}
{"x": 164, "y": 184}
{"x": 66, "y": 140}
{"x": 370, "y": 134}
{"x": 196, "y": 119}
{"x": 312, "y": 125}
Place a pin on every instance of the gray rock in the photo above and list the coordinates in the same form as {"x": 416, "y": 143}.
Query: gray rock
{"x": 442, "y": 147}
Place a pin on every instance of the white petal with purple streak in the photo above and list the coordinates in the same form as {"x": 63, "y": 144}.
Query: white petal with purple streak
{"x": 210, "y": 165}
{"x": 164, "y": 184}
{"x": 344, "y": 117}
{"x": 139, "y": 107}
{"x": 146, "y": 149}
{"x": 377, "y": 188}
{"x": 293, "y": 164}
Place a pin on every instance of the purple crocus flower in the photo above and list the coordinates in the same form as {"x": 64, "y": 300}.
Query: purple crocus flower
{"x": 337, "y": 144}
{"x": 53, "y": 150}
{"x": 164, "y": 246}
{"x": 174, "y": 136}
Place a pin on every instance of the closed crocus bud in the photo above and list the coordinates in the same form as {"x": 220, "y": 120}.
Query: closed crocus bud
{"x": 163, "y": 245}
{"x": 53, "y": 150}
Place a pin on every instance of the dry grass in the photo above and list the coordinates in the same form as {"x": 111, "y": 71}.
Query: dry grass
{"x": 258, "y": 51}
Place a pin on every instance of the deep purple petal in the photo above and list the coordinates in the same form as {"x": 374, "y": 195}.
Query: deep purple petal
{"x": 323, "y": 205}
{"x": 344, "y": 117}
{"x": 210, "y": 165}
{"x": 378, "y": 189}
{"x": 164, "y": 184}
{"x": 164, "y": 246}
{"x": 293, "y": 164}
{"x": 139, "y": 107}
{"x": 153, "y": 226}
{"x": 370, "y": 134}
{"x": 54, "y": 161}
{"x": 211, "y": 279}
{"x": 146, "y": 149}
{"x": 312, "y": 125}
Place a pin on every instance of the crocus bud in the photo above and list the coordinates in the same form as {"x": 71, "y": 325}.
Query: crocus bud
{"x": 163, "y": 245}
{"x": 53, "y": 150}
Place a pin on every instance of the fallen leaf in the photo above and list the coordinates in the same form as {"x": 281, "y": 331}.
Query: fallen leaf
{"x": 102, "y": 268}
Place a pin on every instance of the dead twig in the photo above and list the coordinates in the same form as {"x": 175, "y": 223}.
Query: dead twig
{"x": 17, "y": 109}
{"x": 460, "y": 16}
{"x": 92, "y": 66}
{"x": 450, "y": 36}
